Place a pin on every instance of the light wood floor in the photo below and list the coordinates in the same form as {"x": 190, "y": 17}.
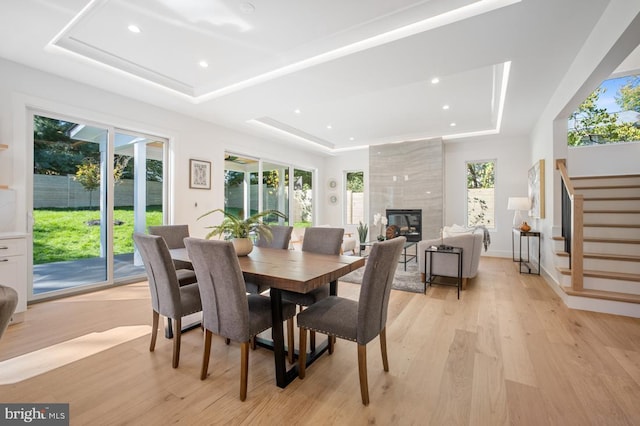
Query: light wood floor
{"x": 508, "y": 352}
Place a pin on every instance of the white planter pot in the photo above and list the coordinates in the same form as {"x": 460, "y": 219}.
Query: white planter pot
{"x": 243, "y": 246}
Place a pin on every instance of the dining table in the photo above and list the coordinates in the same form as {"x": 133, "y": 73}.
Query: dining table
{"x": 292, "y": 270}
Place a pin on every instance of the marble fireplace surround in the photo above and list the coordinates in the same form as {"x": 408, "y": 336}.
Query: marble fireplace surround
{"x": 408, "y": 175}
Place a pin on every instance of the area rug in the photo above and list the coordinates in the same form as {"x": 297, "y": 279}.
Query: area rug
{"x": 408, "y": 280}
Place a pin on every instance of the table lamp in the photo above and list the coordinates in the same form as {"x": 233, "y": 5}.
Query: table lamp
{"x": 519, "y": 204}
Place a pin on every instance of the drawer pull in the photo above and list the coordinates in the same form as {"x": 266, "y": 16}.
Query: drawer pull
{"x": 4, "y": 248}
{"x": 4, "y": 260}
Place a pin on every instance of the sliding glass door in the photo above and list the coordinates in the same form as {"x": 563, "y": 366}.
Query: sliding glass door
{"x": 93, "y": 186}
{"x": 253, "y": 185}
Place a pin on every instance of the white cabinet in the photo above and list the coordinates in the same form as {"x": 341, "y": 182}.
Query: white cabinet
{"x": 13, "y": 268}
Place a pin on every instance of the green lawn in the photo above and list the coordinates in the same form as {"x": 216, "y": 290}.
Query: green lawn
{"x": 63, "y": 234}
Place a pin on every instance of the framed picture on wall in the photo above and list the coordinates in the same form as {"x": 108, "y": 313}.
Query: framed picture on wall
{"x": 536, "y": 189}
{"x": 199, "y": 174}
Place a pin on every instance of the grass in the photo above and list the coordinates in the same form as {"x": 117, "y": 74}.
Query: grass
{"x": 63, "y": 234}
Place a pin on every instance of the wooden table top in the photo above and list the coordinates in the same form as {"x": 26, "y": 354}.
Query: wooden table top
{"x": 290, "y": 269}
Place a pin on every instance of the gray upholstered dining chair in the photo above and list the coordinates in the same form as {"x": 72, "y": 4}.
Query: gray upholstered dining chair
{"x": 281, "y": 235}
{"x": 174, "y": 236}
{"x": 321, "y": 240}
{"x": 228, "y": 310}
{"x": 359, "y": 321}
{"x": 168, "y": 297}
{"x": 8, "y": 303}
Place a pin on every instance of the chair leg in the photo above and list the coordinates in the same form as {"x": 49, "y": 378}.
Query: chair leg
{"x": 332, "y": 342}
{"x": 302, "y": 353}
{"x": 362, "y": 370}
{"x": 383, "y": 348}
{"x": 290, "y": 341}
{"x": 227, "y": 341}
{"x": 154, "y": 331}
{"x": 177, "y": 337}
{"x": 312, "y": 340}
{"x": 205, "y": 355}
{"x": 253, "y": 343}
{"x": 244, "y": 367}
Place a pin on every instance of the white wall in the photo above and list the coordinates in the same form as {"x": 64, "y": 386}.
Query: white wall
{"x": 334, "y": 168}
{"x": 512, "y": 165}
{"x": 22, "y": 87}
{"x": 588, "y": 160}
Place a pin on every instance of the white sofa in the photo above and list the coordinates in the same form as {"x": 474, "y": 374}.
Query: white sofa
{"x": 446, "y": 264}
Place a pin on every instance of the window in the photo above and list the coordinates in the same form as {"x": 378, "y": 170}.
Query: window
{"x": 354, "y": 206}
{"x": 244, "y": 196}
{"x": 609, "y": 115}
{"x": 481, "y": 193}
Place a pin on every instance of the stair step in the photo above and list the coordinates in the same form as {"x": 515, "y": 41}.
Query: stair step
{"x": 602, "y": 294}
{"x": 618, "y": 263}
{"x": 604, "y": 256}
{"x": 603, "y": 274}
{"x": 613, "y": 211}
{"x": 612, "y": 203}
{"x": 588, "y": 187}
{"x": 621, "y": 191}
{"x": 611, "y": 230}
{"x": 603, "y": 240}
{"x": 610, "y": 180}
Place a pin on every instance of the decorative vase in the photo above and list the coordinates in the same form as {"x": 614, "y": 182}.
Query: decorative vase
{"x": 243, "y": 246}
{"x": 525, "y": 227}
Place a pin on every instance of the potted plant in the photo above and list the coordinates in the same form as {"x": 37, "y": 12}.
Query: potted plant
{"x": 240, "y": 230}
{"x": 363, "y": 229}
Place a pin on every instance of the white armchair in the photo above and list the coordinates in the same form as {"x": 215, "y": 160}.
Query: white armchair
{"x": 446, "y": 265}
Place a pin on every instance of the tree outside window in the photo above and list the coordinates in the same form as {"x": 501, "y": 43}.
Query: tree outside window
{"x": 611, "y": 114}
{"x": 355, "y": 197}
{"x": 481, "y": 193}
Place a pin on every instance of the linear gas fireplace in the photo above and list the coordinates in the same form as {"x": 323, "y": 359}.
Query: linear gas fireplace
{"x": 406, "y": 222}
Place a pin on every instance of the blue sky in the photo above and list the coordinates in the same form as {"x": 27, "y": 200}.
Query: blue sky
{"x": 607, "y": 99}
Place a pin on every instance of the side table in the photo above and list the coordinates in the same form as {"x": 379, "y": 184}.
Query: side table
{"x": 530, "y": 267}
{"x": 428, "y": 264}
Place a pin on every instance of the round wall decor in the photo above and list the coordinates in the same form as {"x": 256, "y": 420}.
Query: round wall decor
{"x": 333, "y": 184}
{"x": 333, "y": 199}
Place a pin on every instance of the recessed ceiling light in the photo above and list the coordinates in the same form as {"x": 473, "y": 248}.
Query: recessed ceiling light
{"x": 445, "y": 106}
{"x": 352, "y": 138}
{"x": 203, "y": 64}
{"x": 435, "y": 80}
{"x": 329, "y": 126}
{"x": 452, "y": 124}
{"x": 134, "y": 29}
{"x": 297, "y": 111}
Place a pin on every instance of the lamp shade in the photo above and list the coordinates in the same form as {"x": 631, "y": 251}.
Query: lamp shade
{"x": 518, "y": 203}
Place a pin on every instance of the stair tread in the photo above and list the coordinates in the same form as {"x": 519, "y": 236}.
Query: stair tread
{"x": 606, "y": 187}
{"x": 602, "y": 240}
{"x": 605, "y": 177}
{"x": 604, "y": 256}
{"x": 603, "y": 274}
{"x": 612, "y": 211}
{"x": 611, "y": 225}
{"x": 611, "y": 198}
{"x": 603, "y": 294}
